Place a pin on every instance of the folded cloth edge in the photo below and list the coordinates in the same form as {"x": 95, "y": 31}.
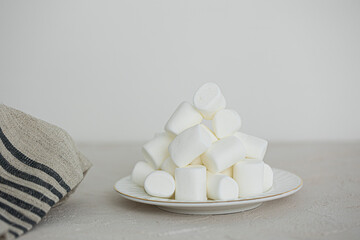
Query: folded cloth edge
{"x": 14, "y": 203}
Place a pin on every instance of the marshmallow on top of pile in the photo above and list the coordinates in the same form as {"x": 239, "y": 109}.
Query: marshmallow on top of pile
{"x": 191, "y": 162}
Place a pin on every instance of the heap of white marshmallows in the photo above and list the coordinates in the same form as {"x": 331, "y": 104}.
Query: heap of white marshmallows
{"x": 195, "y": 163}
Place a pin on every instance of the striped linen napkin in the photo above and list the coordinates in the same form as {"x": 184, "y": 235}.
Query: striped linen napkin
{"x": 40, "y": 166}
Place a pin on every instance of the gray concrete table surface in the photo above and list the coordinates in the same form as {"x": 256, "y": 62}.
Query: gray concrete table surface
{"x": 327, "y": 207}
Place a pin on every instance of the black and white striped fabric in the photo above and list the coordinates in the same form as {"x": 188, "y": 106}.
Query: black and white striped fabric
{"x": 39, "y": 167}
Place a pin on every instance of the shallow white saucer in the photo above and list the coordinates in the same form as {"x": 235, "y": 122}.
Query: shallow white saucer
{"x": 285, "y": 184}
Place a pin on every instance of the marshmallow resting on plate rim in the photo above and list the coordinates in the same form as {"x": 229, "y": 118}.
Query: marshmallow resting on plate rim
{"x": 160, "y": 184}
{"x": 223, "y": 154}
{"x": 255, "y": 147}
{"x": 221, "y": 187}
{"x": 268, "y": 177}
{"x": 189, "y": 145}
{"x": 140, "y": 172}
{"x": 190, "y": 183}
{"x": 184, "y": 117}
{"x": 156, "y": 150}
{"x": 226, "y": 122}
{"x": 168, "y": 166}
{"x": 249, "y": 175}
{"x": 209, "y": 99}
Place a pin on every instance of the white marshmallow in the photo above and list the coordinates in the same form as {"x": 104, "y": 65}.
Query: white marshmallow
{"x": 169, "y": 166}
{"x": 211, "y": 134}
{"x": 221, "y": 187}
{"x": 160, "y": 184}
{"x": 228, "y": 172}
{"x": 226, "y": 122}
{"x": 190, "y": 183}
{"x": 197, "y": 161}
{"x": 184, "y": 117}
{"x": 255, "y": 147}
{"x": 223, "y": 154}
{"x": 268, "y": 177}
{"x": 208, "y": 99}
{"x": 140, "y": 172}
{"x": 249, "y": 174}
{"x": 156, "y": 150}
{"x": 189, "y": 145}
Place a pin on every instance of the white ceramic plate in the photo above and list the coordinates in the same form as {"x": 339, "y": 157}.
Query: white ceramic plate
{"x": 285, "y": 184}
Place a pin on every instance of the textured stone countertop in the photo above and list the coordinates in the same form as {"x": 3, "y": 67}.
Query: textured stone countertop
{"x": 327, "y": 207}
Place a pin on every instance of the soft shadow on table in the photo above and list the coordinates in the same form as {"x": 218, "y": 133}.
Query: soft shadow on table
{"x": 116, "y": 201}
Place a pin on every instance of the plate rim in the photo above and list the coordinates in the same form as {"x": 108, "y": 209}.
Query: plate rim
{"x": 214, "y": 202}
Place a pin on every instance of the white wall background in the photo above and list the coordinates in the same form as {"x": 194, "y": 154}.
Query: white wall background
{"x": 115, "y": 70}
